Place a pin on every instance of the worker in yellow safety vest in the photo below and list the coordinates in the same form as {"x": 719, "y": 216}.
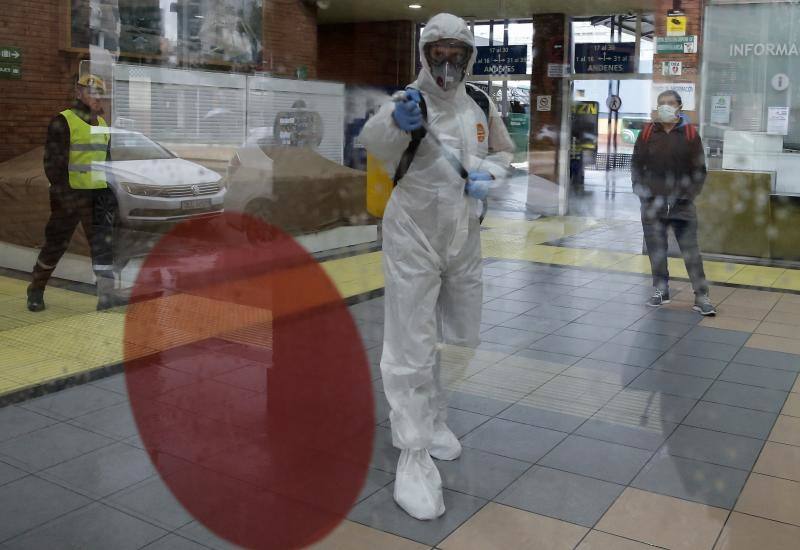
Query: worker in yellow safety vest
{"x": 76, "y": 149}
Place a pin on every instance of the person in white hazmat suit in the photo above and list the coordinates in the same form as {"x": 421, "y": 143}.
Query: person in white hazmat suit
{"x": 431, "y": 245}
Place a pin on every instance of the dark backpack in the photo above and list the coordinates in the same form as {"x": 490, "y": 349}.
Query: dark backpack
{"x": 476, "y": 94}
{"x": 647, "y": 131}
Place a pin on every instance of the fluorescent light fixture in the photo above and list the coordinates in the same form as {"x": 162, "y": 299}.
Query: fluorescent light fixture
{"x": 415, "y": 6}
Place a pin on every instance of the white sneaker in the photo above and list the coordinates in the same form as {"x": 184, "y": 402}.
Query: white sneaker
{"x": 446, "y": 445}
{"x": 418, "y": 485}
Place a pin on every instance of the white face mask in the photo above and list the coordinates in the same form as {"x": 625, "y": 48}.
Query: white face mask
{"x": 666, "y": 113}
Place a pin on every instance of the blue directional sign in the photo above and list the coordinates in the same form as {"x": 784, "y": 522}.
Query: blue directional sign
{"x": 604, "y": 58}
{"x": 501, "y": 60}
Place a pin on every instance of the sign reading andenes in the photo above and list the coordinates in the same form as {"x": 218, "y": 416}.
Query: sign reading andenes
{"x": 604, "y": 58}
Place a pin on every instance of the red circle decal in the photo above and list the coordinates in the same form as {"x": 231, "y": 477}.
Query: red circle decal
{"x": 249, "y": 382}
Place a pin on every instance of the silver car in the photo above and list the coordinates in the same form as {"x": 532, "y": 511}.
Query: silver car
{"x": 152, "y": 185}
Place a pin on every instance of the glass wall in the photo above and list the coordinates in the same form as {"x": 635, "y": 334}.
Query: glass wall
{"x": 751, "y": 113}
{"x": 511, "y": 94}
{"x": 174, "y": 32}
{"x": 635, "y": 94}
{"x": 602, "y": 144}
{"x": 251, "y": 298}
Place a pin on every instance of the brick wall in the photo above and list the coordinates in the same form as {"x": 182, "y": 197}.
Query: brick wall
{"x": 375, "y": 54}
{"x": 691, "y": 62}
{"x": 290, "y": 37}
{"x": 27, "y": 105}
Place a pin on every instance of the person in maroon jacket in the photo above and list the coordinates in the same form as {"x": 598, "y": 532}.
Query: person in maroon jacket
{"x": 668, "y": 171}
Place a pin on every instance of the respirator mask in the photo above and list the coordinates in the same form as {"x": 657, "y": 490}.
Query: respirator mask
{"x": 448, "y": 60}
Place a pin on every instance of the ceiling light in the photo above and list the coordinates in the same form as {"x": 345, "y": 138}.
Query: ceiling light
{"x": 415, "y": 6}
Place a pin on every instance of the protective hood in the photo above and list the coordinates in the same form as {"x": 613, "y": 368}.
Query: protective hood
{"x": 443, "y": 26}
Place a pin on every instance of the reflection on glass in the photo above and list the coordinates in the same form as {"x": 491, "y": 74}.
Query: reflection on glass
{"x": 134, "y": 146}
{"x": 214, "y": 33}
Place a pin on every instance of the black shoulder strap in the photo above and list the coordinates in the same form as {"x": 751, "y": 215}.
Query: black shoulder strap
{"x": 411, "y": 150}
{"x": 480, "y": 97}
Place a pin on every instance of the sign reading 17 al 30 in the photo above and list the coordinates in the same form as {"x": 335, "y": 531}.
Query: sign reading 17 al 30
{"x": 501, "y": 60}
{"x": 604, "y": 58}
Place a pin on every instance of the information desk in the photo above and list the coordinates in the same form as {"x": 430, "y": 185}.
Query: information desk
{"x": 741, "y": 215}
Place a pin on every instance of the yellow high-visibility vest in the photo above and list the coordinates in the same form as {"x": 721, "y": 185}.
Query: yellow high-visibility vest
{"x": 87, "y": 145}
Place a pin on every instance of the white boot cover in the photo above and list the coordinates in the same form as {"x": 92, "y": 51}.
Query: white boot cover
{"x": 418, "y": 485}
{"x": 446, "y": 445}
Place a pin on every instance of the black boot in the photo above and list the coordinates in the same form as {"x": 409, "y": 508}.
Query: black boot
{"x": 108, "y": 296}
{"x": 35, "y": 299}
{"x": 105, "y": 293}
{"x": 39, "y": 277}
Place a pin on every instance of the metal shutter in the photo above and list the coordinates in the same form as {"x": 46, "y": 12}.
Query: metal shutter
{"x": 188, "y": 106}
{"x": 174, "y": 105}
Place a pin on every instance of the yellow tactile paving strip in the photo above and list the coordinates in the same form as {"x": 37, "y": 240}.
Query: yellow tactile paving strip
{"x": 523, "y": 240}
{"x": 39, "y": 347}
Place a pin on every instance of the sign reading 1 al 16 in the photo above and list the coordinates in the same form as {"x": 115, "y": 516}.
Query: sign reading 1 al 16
{"x": 501, "y": 60}
{"x": 604, "y": 58}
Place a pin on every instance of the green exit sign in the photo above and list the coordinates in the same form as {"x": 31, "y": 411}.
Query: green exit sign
{"x": 10, "y": 54}
{"x": 9, "y": 71}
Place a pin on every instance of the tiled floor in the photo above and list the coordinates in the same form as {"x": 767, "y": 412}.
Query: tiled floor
{"x": 588, "y": 421}
{"x": 617, "y": 235}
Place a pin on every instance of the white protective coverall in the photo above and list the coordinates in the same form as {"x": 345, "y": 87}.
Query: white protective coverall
{"x": 432, "y": 264}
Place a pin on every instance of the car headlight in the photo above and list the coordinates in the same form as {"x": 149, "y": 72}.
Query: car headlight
{"x": 142, "y": 190}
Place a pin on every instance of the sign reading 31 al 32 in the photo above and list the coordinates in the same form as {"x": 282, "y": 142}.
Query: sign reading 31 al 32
{"x": 501, "y": 60}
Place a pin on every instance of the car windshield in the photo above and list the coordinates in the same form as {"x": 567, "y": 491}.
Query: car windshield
{"x": 133, "y": 146}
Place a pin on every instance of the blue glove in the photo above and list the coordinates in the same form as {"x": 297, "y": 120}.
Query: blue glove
{"x": 478, "y": 184}
{"x": 407, "y": 114}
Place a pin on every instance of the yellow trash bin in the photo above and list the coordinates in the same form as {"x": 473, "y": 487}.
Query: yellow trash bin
{"x": 379, "y": 187}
